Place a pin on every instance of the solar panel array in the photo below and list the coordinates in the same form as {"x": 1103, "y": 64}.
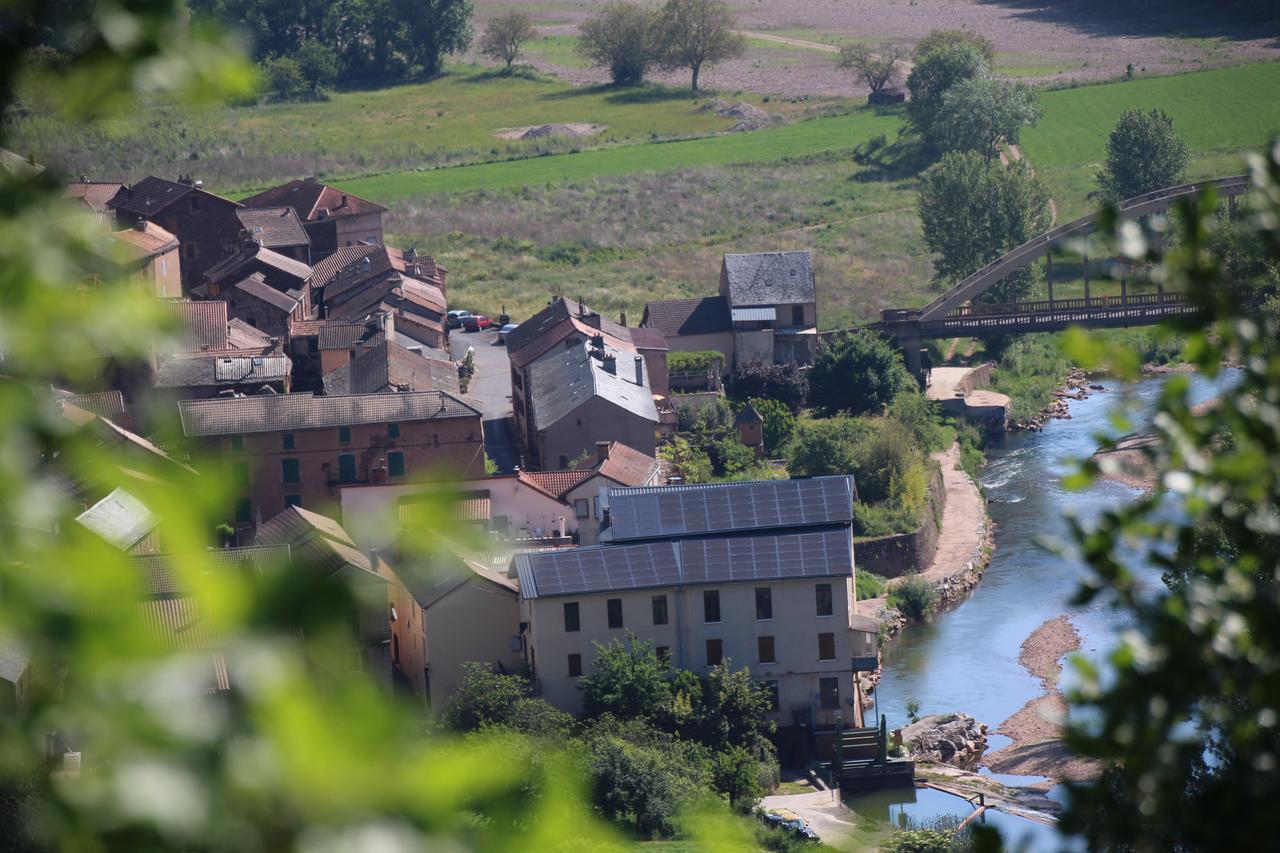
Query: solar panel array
{"x": 791, "y": 556}
{"x": 652, "y": 513}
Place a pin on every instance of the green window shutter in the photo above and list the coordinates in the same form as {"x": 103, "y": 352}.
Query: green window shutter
{"x": 346, "y": 468}
{"x": 289, "y": 470}
{"x": 395, "y": 464}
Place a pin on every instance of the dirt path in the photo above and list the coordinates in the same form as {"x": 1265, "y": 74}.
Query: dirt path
{"x": 807, "y": 45}
{"x": 823, "y": 811}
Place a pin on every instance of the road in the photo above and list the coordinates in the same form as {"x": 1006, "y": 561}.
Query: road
{"x": 491, "y": 387}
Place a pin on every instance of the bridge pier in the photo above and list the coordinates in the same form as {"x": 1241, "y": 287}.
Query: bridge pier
{"x": 1048, "y": 274}
{"x": 911, "y": 343}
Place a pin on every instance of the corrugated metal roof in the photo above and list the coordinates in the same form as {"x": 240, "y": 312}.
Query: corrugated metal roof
{"x": 743, "y": 315}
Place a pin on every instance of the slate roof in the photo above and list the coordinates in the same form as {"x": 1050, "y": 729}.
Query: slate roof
{"x": 256, "y": 286}
{"x": 388, "y": 366}
{"x": 280, "y": 412}
{"x": 202, "y": 325}
{"x": 701, "y": 561}
{"x": 274, "y": 227}
{"x": 566, "y": 378}
{"x": 769, "y": 278}
{"x": 314, "y": 201}
{"x": 237, "y": 266}
{"x": 96, "y": 194}
{"x": 674, "y": 317}
{"x": 152, "y": 195}
{"x": 671, "y": 511}
{"x": 120, "y": 519}
{"x": 205, "y": 370}
{"x": 429, "y": 583}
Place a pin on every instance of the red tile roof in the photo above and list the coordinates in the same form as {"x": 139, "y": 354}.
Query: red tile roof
{"x": 557, "y": 483}
{"x": 96, "y": 194}
{"x": 625, "y": 466}
{"x": 314, "y": 201}
{"x": 147, "y": 239}
{"x": 202, "y": 325}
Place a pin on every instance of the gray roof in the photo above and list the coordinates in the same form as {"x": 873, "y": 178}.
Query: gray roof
{"x": 669, "y": 511}
{"x": 675, "y": 317}
{"x": 557, "y": 311}
{"x": 120, "y": 519}
{"x": 104, "y": 404}
{"x": 274, "y": 226}
{"x": 256, "y": 286}
{"x": 14, "y": 659}
{"x": 347, "y": 335}
{"x": 288, "y": 412}
{"x": 769, "y": 278}
{"x": 198, "y": 371}
{"x": 741, "y": 559}
{"x": 234, "y": 267}
{"x": 391, "y": 367}
{"x": 158, "y": 576}
{"x": 565, "y": 378}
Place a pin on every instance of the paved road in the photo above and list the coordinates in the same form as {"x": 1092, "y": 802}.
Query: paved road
{"x": 491, "y": 387}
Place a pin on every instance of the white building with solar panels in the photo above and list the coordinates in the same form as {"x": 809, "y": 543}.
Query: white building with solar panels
{"x": 758, "y": 573}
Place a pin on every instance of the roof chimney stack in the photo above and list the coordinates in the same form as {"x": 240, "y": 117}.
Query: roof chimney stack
{"x": 640, "y": 371}
{"x": 622, "y": 318}
{"x": 610, "y": 363}
{"x": 602, "y": 451}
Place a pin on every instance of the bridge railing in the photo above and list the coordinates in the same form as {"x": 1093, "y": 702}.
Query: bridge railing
{"x": 1135, "y": 300}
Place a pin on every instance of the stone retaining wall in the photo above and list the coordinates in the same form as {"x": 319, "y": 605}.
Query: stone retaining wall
{"x": 903, "y": 553}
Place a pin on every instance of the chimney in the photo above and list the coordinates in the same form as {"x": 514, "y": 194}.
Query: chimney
{"x": 610, "y": 363}
{"x": 199, "y": 184}
{"x": 582, "y": 309}
{"x": 622, "y": 318}
{"x": 640, "y": 371}
{"x": 602, "y": 451}
{"x": 389, "y": 325}
{"x": 140, "y": 225}
{"x": 344, "y": 200}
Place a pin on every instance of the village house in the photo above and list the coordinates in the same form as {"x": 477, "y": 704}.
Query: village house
{"x": 263, "y": 307}
{"x": 204, "y": 375}
{"x": 97, "y": 195}
{"x": 278, "y": 229}
{"x": 205, "y": 224}
{"x": 358, "y": 281}
{"x": 766, "y": 310}
{"x": 278, "y": 272}
{"x": 298, "y": 449}
{"x": 153, "y": 260}
{"x": 614, "y": 465}
{"x": 332, "y": 218}
{"x": 388, "y": 367}
{"x": 760, "y": 574}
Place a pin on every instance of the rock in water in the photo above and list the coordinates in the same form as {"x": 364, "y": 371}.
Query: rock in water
{"x": 945, "y": 738}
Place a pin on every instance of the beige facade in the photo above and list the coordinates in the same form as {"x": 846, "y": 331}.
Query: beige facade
{"x": 808, "y": 649}
{"x": 162, "y": 275}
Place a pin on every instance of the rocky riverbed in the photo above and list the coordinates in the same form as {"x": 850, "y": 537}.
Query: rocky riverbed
{"x": 945, "y": 739}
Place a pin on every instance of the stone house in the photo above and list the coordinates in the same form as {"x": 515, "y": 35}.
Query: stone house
{"x": 203, "y": 375}
{"x": 205, "y": 224}
{"x": 298, "y": 449}
{"x": 280, "y": 273}
{"x": 332, "y": 218}
{"x": 389, "y": 367}
{"x": 693, "y": 325}
{"x": 278, "y": 229}
{"x": 264, "y": 307}
{"x": 760, "y": 574}
{"x": 773, "y": 306}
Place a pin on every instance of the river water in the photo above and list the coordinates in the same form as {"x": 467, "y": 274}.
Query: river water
{"x": 966, "y": 659}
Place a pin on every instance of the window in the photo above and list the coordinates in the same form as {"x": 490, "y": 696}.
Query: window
{"x": 286, "y": 441}
{"x": 395, "y": 464}
{"x": 663, "y": 653}
{"x": 829, "y": 693}
{"x": 580, "y": 507}
{"x": 347, "y": 468}
{"x": 289, "y": 471}
{"x": 244, "y": 510}
{"x": 292, "y": 500}
{"x": 715, "y": 652}
{"x": 711, "y": 605}
{"x": 771, "y": 689}
{"x": 659, "y": 610}
{"x": 797, "y": 315}
{"x": 823, "y": 595}
{"x": 564, "y": 462}
{"x": 764, "y": 645}
{"x": 614, "y": 606}
{"x": 237, "y": 442}
{"x": 826, "y": 647}
{"x": 764, "y": 602}
{"x": 393, "y": 430}
{"x": 571, "y": 622}
{"x": 575, "y": 665}
{"x": 344, "y": 434}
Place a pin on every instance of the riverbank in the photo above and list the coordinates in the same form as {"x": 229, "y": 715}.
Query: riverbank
{"x": 1037, "y": 748}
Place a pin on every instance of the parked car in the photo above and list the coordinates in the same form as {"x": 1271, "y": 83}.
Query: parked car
{"x": 506, "y": 330}
{"x": 457, "y": 317}
{"x": 476, "y": 322}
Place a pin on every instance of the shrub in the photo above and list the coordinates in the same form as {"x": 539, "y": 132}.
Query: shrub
{"x": 857, "y": 373}
{"x": 691, "y": 463}
{"x": 826, "y": 447}
{"x": 922, "y": 418}
{"x": 786, "y": 383}
{"x": 628, "y": 680}
{"x": 868, "y": 585}
{"x": 913, "y": 709}
{"x": 282, "y": 79}
{"x": 484, "y": 697}
{"x": 694, "y": 362}
{"x": 730, "y": 457}
{"x": 779, "y": 424}
{"x": 915, "y": 597}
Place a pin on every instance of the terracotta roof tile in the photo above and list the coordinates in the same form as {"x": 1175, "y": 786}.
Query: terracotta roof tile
{"x": 202, "y": 325}
{"x": 96, "y": 194}
{"x": 147, "y": 239}
{"x": 556, "y": 483}
{"x": 274, "y": 227}
{"x": 314, "y": 201}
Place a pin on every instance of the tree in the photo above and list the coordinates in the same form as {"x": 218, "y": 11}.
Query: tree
{"x": 620, "y": 37}
{"x": 694, "y": 33}
{"x": 692, "y": 463}
{"x": 933, "y": 75}
{"x": 826, "y": 447}
{"x": 505, "y": 35}
{"x": 484, "y": 697}
{"x": 785, "y": 383}
{"x": 779, "y": 424}
{"x": 857, "y": 373}
{"x": 877, "y": 66}
{"x": 731, "y": 711}
{"x": 972, "y": 213}
{"x": 319, "y": 66}
{"x": 282, "y": 79}
{"x": 628, "y": 681}
{"x": 978, "y": 114}
{"x": 737, "y": 775}
{"x": 1183, "y": 740}
{"x": 433, "y": 28}
{"x": 937, "y": 39}
{"x": 730, "y": 457}
{"x": 1143, "y": 155}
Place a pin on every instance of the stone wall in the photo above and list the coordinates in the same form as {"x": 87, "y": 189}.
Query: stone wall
{"x": 892, "y": 556}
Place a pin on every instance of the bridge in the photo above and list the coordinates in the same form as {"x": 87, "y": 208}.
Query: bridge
{"x": 956, "y": 314}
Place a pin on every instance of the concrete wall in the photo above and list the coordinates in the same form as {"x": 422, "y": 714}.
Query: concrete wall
{"x": 595, "y": 420}
{"x": 892, "y": 556}
{"x": 754, "y": 345}
{"x": 475, "y": 622}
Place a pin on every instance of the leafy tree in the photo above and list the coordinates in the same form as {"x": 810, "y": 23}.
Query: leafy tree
{"x": 484, "y": 697}
{"x": 505, "y": 35}
{"x": 978, "y": 114}
{"x": 786, "y": 383}
{"x": 691, "y": 463}
{"x": 935, "y": 73}
{"x": 1184, "y": 712}
{"x": 857, "y": 373}
{"x": 620, "y": 37}
{"x": 938, "y": 39}
{"x": 694, "y": 33}
{"x": 876, "y": 66}
{"x": 1143, "y": 155}
{"x": 730, "y": 457}
{"x": 737, "y": 775}
{"x": 1250, "y": 276}
{"x": 540, "y": 718}
{"x": 826, "y": 447}
{"x": 282, "y": 79}
{"x": 319, "y": 66}
{"x": 730, "y": 711}
{"x": 433, "y": 28}
{"x": 973, "y": 213}
{"x": 779, "y": 424}
{"x": 629, "y": 680}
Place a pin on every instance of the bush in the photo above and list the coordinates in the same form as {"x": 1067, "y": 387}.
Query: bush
{"x": 628, "y": 680}
{"x": 484, "y": 697}
{"x": 691, "y": 463}
{"x": 779, "y": 424}
{"x": 694, "y": 362}
{"x": 282, "y": 79}
{"x": 319, "y": 66}
{"x": 857, "y": 373}
{"x": 826, "y": 447}
{"x": 644, "y": 777}
{"x": 786, "y": 383}
{"x": 730, "y": 457}
{"x": 922, "y": 418}
{"x": 915, "y": 597}
{"x": 868, "y": 585}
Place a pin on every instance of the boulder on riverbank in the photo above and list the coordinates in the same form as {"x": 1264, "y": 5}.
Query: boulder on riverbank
{"x": 944, "y": 739}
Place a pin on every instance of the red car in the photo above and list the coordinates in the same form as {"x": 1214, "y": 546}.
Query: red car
{"x": 476, "y": 322}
